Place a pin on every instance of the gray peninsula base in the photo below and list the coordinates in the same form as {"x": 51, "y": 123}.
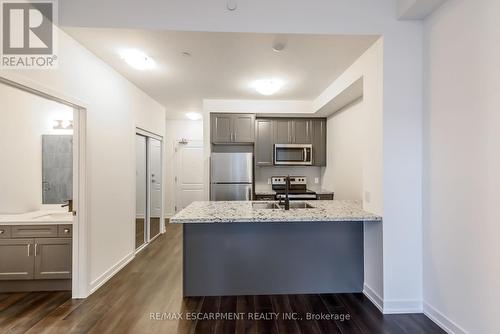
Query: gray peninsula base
{"x": 225, "y": 259}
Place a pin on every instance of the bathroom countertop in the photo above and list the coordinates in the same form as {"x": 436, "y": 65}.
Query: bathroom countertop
{"x": 45, "y": 217}
{"x": 244, "y": 212}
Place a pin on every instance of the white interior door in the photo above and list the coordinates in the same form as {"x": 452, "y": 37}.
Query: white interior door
{"x": 189, "y": 173}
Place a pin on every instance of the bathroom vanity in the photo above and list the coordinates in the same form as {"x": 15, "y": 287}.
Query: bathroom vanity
{"x": 36, "y": 251}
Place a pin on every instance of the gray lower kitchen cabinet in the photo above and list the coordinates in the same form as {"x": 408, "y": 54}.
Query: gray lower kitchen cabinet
{"x": 232, "y": 128}
{"x": 16, "y": 259}
{"x": 264, "y": 142}
{"x": 52, "y": 258}
{"x": 319, "y": 142}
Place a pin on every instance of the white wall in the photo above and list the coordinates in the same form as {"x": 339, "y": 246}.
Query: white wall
{"x": 345, "y": 142}
{"x": 383, "y": 243}
{"x": 175, "y": 131}
{"x": 24, "y": 118}
{"x": 114, "y": 108}
{"x": 462, "y": 166}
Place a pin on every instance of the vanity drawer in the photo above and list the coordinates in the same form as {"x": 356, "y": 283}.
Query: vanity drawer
{"x": 5, "y": 232}
{"x": 65, "y": 231}
{"x": 34, "y": 231}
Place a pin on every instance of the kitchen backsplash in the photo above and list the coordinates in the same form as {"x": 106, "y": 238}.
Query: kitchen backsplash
{"x": 263, "y": 174}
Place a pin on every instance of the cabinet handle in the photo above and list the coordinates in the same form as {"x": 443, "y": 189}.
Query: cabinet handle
{"x": 36, "y": 249}
{"x": 66, "y": 230}
{"x": 29, "y": 249}
{"x": 2, "y": 231}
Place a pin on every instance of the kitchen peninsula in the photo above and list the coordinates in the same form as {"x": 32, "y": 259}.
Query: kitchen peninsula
{"x": 252, "y": 248}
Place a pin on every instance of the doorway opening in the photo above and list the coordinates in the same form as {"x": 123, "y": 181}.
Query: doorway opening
{"x": 50, "y": 193}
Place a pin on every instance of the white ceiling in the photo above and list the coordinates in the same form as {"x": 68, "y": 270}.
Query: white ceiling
{"x": 222, "y": 65}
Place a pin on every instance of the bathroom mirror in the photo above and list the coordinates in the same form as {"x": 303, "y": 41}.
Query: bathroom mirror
{"x": 57, "y": 168}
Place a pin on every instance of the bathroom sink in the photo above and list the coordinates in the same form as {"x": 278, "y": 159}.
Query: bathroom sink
{"x": 264, "y": 205}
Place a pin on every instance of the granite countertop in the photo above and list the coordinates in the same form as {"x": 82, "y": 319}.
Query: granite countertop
{"x": 243, "y": 212}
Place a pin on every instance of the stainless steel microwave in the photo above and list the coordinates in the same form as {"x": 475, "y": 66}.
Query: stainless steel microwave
{"x": 293, "y": 154}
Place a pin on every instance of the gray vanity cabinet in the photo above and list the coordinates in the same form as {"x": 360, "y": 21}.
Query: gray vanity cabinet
{"x": 319, "y": 142}
{"x": 53, "y": 258}
{"x": 264, "y": 142}
{"x": 232, "y": 128}
{"x": 16, "y": 259}
{"x": 35, "y": 252}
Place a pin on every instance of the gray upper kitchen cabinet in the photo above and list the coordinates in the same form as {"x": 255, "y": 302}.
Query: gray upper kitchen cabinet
{"x": 243, "y": 128}
{"x": 319, "y": 142}
{"x": 283, "y": 131}
{"x": 232, "y": 128}
{"x": 221, "y": 128}
{"x": 53, "y": 258}
{"x": 16, "y": 259}
{"x": 264, "y": 142}
{"x": 301, "y": 130}
{"x": 292, "y": 131}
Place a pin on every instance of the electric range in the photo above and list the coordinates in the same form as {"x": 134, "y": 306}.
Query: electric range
{"x": 298, "y": 188}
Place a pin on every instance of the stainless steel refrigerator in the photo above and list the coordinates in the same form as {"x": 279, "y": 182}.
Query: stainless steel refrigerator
{"x": 231, "y": 177}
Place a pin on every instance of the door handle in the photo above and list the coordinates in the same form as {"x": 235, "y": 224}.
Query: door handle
{"x": 305, "y": 154}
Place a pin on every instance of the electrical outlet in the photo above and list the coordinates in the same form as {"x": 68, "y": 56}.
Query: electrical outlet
{"x": 269, "y": 181}
{"x": 316, "y": 180}
{"x": 368, "y": 196}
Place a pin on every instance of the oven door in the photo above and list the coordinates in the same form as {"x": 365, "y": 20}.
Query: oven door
{"x": 293, "y": 154}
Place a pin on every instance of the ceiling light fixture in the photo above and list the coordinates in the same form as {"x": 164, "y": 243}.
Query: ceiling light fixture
{"x": 137, "y": 59}
{"x": 194, "y": 116}
{"x": 268, "y": 86}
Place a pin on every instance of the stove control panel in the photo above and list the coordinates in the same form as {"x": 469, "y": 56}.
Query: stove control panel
{"x": 294, "y": 180}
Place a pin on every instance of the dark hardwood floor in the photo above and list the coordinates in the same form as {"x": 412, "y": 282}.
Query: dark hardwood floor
{"x": 145, "y": 297}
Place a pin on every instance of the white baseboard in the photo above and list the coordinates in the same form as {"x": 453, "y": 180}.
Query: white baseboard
{"x": 374, "y": 297}
{"x": 99, "y": 281}
{"x": 392, "y": 306}
{"x": 444, "y": 322}
{"x": 402, "y": 306}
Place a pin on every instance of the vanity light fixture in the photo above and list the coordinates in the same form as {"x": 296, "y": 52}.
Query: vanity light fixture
{"x": 137, "y": 59}
{"x": 268, "y": 86}
{"x": 194, "y": 116}
{"x": 59, "y": 124}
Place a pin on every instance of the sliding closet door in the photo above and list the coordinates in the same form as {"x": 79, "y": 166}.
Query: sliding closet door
{"x": 141, "y": 190}
{"x": 155, "y": 189}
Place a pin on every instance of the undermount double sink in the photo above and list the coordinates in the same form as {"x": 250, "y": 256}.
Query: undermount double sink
{"x": 276, "y": 206}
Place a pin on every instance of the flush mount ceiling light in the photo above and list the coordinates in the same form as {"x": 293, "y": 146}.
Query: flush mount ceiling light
{"x": 194, "y": 116}
{"x": 268, "y": 86}
{"x": 137, "y": 59}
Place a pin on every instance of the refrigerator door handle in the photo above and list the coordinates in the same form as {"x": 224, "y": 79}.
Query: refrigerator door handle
{"x": 249, "y": 194}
